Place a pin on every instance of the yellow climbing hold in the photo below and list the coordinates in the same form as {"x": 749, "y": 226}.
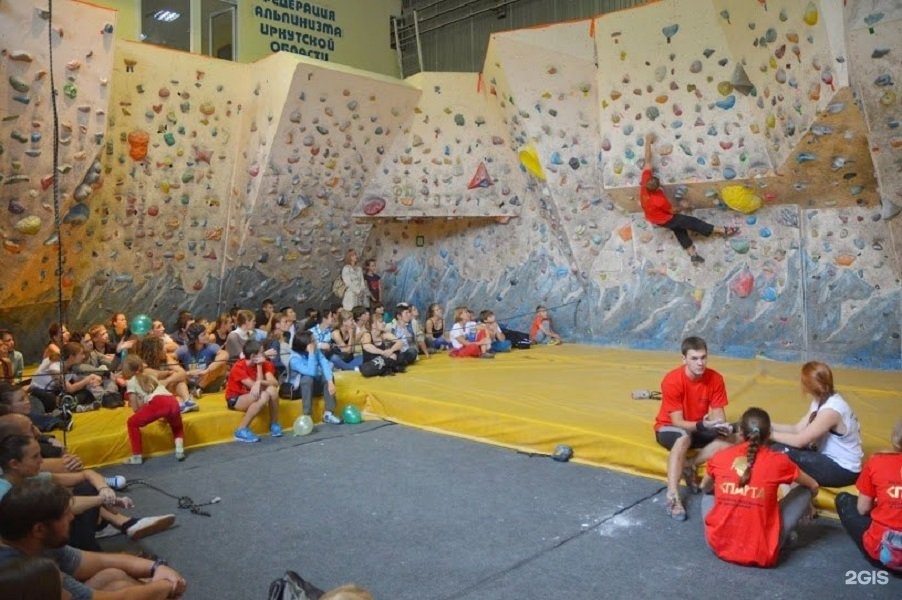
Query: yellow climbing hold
{"x": 810, "y": 16}
{"x": 741, "y": 198}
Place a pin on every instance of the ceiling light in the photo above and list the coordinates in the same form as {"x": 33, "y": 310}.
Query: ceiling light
{"x": 166, "y": 16}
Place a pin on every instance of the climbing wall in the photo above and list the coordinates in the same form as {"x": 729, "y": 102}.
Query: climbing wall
{"x": 333, "y": 133}
{"x": 162, "y": 217}
{"x": 554, "y": 121}
{"x": 466, "y": 206}
{"x": 873, "y": 30}
{"x": 453, "y": 160}
{"x": 82, "y": 65}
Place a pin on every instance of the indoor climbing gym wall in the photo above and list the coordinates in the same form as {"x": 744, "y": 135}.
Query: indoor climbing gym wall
{"x": 81, "y": 69}
{"x": 463, "y": 207}
{"x": 334, "y": 131}
{"x": 162, "y": 218}
{"x": 745, "y": 99}
{"x": 873, "y": 33}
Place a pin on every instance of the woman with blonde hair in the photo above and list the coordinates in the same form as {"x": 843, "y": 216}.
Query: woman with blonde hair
{"x": 826, "y": 442}
{"x": 352, "y": 276}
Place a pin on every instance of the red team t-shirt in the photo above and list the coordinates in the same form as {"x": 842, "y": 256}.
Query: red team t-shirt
{"x": 881, "y": 479}
{"x": 694, "y": 398}
{"x": 743, "y": 527}
{"x": 536, "y": 325}
{"x": 655, "y": 205}
{"x": 242, "y": 370}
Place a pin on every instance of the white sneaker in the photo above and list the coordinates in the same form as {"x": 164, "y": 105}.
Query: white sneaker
{"x": 331, "y": 419}
{"x": 146, "y": 526}
{"x": 134, "y": 459}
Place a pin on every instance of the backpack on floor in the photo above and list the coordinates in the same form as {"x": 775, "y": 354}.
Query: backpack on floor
{"x": 891, "y": 550}
{"x": 374, "y": 367}
{"x": 292, "y": 586}
{"x": 518, "y": 339}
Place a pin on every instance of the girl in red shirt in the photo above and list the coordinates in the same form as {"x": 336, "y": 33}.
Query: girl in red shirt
{"x": 874, "y": 517}
{"x": 745, "y": 523}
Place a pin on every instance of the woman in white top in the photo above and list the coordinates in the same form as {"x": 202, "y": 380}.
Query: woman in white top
{"x": 352, "y": 275}
{"x": 826, "y": 442}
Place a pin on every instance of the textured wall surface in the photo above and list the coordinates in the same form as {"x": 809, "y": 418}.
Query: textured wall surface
{"x": 216, "y": 183}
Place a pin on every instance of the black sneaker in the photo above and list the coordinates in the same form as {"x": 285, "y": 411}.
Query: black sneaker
{"x": 696, "y": 259}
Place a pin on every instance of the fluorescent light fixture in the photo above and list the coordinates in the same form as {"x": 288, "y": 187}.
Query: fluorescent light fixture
{"x": 166, "y": 16}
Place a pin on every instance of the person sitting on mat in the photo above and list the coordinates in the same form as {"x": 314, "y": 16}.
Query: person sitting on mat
{"x": 34, "y": 521}
{"x": 252, "y": 385}
{"x": 744, "y": 522}
{"x": 691, "y": 416}
{"x": 826, "y": 442}
{"x": 468, "y": 339}
{"x": 540, "y": 332}
{"x": 659, "y": 211}
{"x": 309, "y": 372}
{"x": 874, "y": 517}
{"x": 499, "y": 342}
{"x": 435, "y": 328}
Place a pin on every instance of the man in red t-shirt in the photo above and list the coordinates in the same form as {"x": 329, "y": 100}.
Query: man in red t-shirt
{"x": 659, "y": 211}
{"x": 878, "y": 509}
{"x": 691, "y": 416}
{"x": 251, "y": 386}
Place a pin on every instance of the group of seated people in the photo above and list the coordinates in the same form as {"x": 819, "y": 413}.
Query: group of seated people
{"x": 762, "y": 477}
{"x": 255, "y": 357}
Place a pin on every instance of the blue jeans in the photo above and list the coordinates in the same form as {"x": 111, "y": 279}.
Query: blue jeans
{"x": 341, "y": 364}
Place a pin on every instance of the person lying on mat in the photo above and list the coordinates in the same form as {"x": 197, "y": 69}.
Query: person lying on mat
{"x": 744, "y": 522}
{"x": 691, "y": 417}
{"x": 826, "y": 442}
{"x": 874, "y": 517}
{"x": 34, "y": 521}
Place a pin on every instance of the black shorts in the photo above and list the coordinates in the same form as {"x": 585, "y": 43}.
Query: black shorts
{"x": 668, "y": 435}
{"x": 231, "y": 402}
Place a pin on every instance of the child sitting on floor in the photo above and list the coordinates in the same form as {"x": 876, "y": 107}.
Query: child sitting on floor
{"x": 467, "y": 338}
{"x": 151, "y": 401}
{"x": 541, "y": 332}
{"x": 252, "y": 385}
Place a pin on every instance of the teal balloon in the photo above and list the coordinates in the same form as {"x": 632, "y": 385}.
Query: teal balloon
{"x": 351, "y": 415}
{"x": 303, "y": 425}
{"x": 140, "y": 324}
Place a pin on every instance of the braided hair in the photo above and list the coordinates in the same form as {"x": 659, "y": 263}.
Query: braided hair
{"x": 755, "y": 427}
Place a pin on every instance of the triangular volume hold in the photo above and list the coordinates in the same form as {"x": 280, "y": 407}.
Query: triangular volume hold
{"x": 740, "y": 81}
{"x": 480, "y": 179}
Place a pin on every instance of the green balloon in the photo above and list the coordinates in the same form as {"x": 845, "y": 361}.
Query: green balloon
{"x": 351, "y": 415}
{"x": 303, "y": 425}
{"x": 140, "y": 324}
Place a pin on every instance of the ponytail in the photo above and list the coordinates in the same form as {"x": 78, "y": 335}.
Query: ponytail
{"x": 754, "y": 439}
{"x": 755, "y": 427}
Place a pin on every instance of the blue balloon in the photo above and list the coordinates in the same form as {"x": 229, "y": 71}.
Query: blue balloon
{"x": 140, "y": 324}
